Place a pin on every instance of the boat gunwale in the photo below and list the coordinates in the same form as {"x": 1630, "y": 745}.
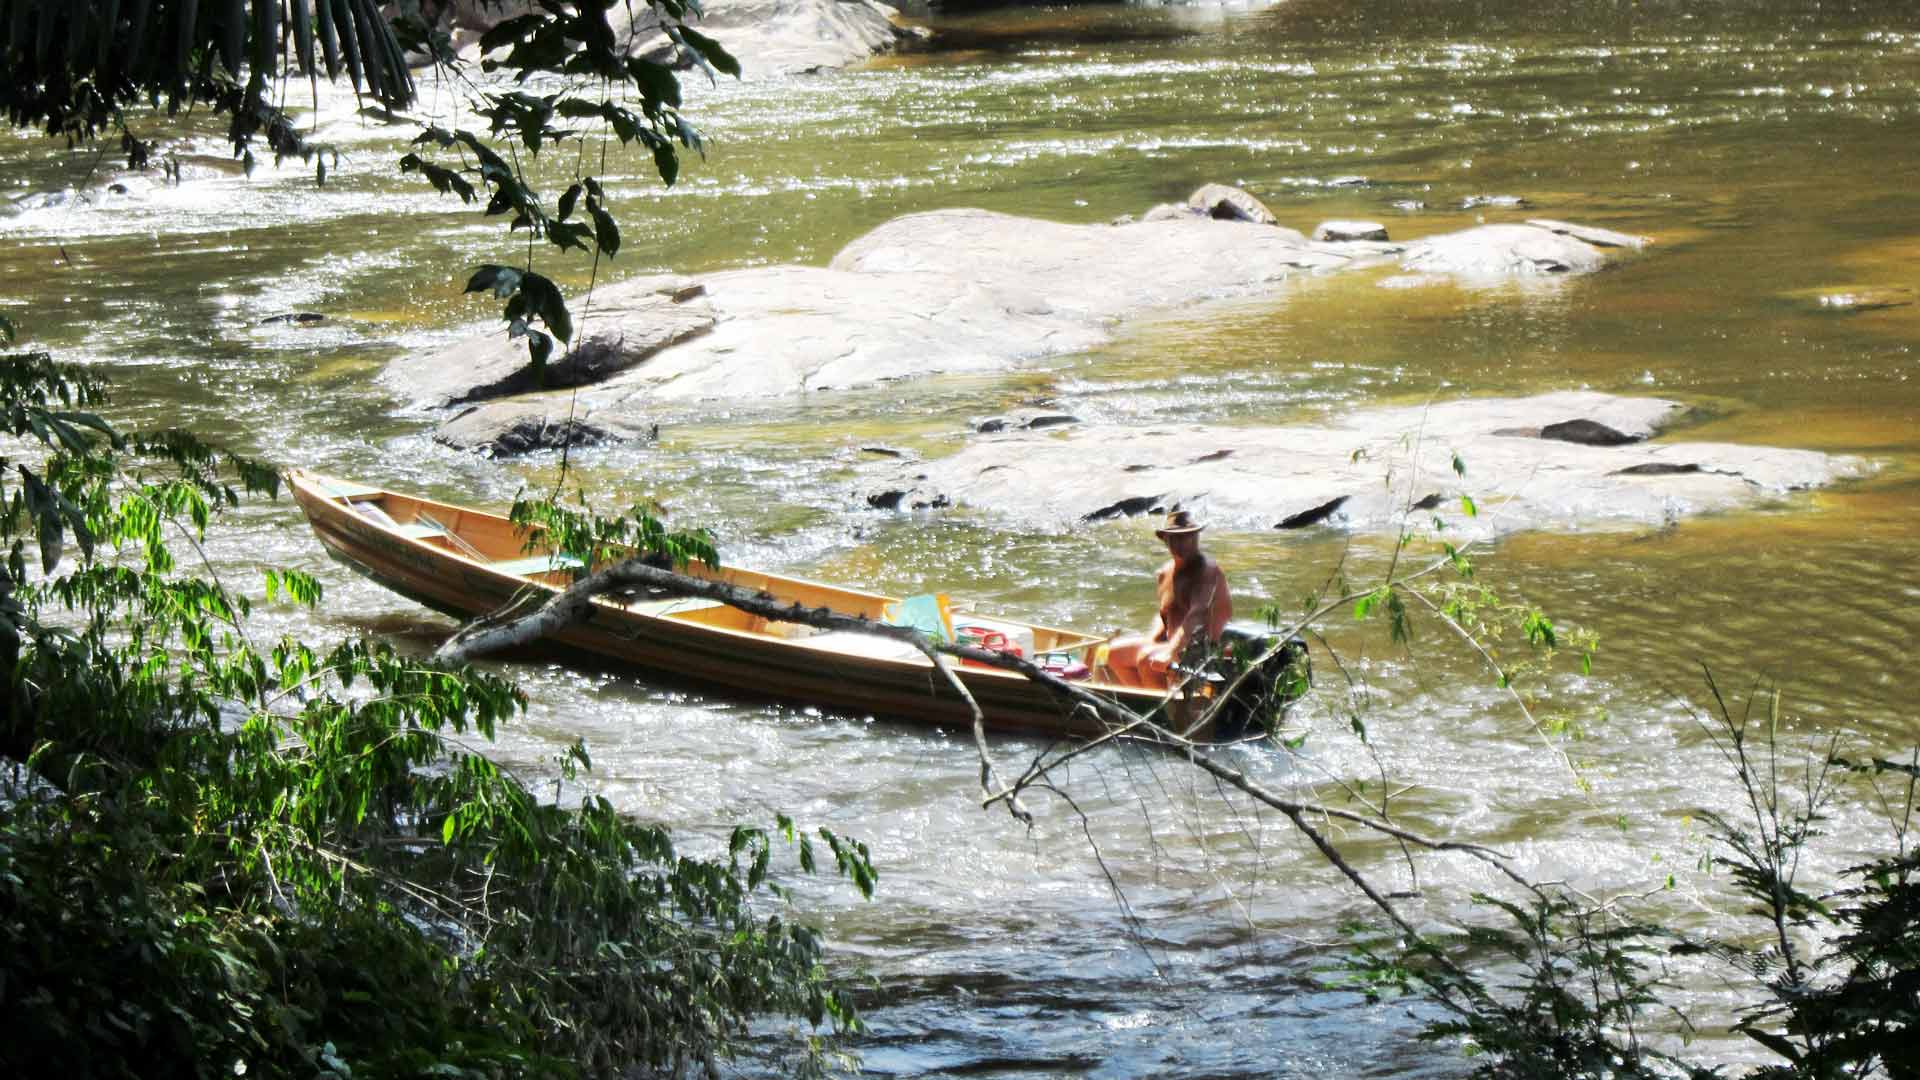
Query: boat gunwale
{"x": 315, "y": 486}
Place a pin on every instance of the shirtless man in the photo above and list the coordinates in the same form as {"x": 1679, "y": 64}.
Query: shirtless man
{"x": 1194, "y": 605}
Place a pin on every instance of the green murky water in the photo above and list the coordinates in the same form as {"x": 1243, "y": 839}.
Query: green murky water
{"x": 1768, "y": 147}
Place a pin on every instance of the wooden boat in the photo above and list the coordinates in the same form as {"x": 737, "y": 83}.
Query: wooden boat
{"x": 468, "y": 562}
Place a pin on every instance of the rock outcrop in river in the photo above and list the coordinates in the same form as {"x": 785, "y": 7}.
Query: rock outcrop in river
{"x": 1564, "y": 460}
{"x": 769, "y": 37}
{"x": 950, "y": 291}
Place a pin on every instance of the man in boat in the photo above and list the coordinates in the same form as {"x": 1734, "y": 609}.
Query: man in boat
{"x": 1194, "y": 609}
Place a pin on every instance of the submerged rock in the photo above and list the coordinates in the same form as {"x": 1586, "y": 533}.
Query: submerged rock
{"x": 1299, "y": 476}
{"x": 1336, "y": 231}
{"x": 1606, "y": 238}
{"x": 1314, "y": 515}
{"x": 510, "y": 428}
{"x": 1848, "y": 299}
{"x": 1502, "y": 251}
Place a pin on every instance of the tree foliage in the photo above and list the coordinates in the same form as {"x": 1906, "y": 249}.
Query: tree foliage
{"x": 75, "y": 69}
{"x": 219, "y": 853}
{"x": 1827, "y": 975}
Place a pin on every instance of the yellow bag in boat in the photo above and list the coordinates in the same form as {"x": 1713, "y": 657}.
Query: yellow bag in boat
{"x": 929, "y": 613}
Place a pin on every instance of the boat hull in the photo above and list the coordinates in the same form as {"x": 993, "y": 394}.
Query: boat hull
{"x": 727, "y": 659}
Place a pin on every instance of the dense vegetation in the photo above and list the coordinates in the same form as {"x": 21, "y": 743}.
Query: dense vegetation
{"x": 219, "y": 853}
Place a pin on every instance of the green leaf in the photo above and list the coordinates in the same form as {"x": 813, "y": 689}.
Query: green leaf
{"x": 710, "y": 50}
{"x": 605, "y": 232}
{"x": 544, "y": 299}
{"x": 45, "y": 510}
{"x": 503, "y": 281}
{"x": 539, "y": 348}
{"x": 1459, "y": 466}
{"x": 667, "y": 163}
{"x": 1467, "y": 506}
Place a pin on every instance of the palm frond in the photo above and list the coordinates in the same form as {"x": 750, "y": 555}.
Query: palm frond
{"x": 71, "y": 67}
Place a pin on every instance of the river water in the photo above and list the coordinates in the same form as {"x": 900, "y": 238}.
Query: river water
{"x": 1156, "y": 926}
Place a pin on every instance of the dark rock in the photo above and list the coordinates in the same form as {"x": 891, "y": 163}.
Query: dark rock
{"x": 1132, "y": 506}
{"x": 1658, "y": 468}
{"x": 886, "y": 500}
{"x": 1130, "y": 468}
{"x": 883, "y": 451}
{"x": 297, "y": 318}
{"x": 532, "y": 433}
{"x": 988, "y": 427}
{"x": 1587, "y": 433}
{"x": 546, "y": 422}
{"x": 1223, "y": 202}
{"x": 1348, "y": 181}
{"x": 1428, "y": 502}
{"x": 1048, "y": 420}
{"x": 1313, "y": 516}
{"x": 1217, "y": 455}
{"x": 938, "y": 502}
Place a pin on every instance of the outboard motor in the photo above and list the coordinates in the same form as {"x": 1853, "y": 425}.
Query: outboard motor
{"x": 1261, "y": 701}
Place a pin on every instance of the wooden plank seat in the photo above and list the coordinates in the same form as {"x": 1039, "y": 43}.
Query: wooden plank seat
{"x": 672, "y": 605}
{"x": 537, "y": 564}
{"x": 415, "y": 530}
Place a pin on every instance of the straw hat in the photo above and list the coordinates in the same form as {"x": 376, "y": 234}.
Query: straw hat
{"x": 1179, "y": 521}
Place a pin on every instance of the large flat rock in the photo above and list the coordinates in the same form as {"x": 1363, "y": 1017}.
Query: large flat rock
{"x": 949, "y": 291}
{"x": 770, "y": 38}
{"x": 624, "y": 325}
{"x": 773, "y": 38}
{"x": 1336, "y": 473}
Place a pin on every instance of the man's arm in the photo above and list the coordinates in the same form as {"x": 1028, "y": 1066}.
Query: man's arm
{"x": 1220, "y": 609}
